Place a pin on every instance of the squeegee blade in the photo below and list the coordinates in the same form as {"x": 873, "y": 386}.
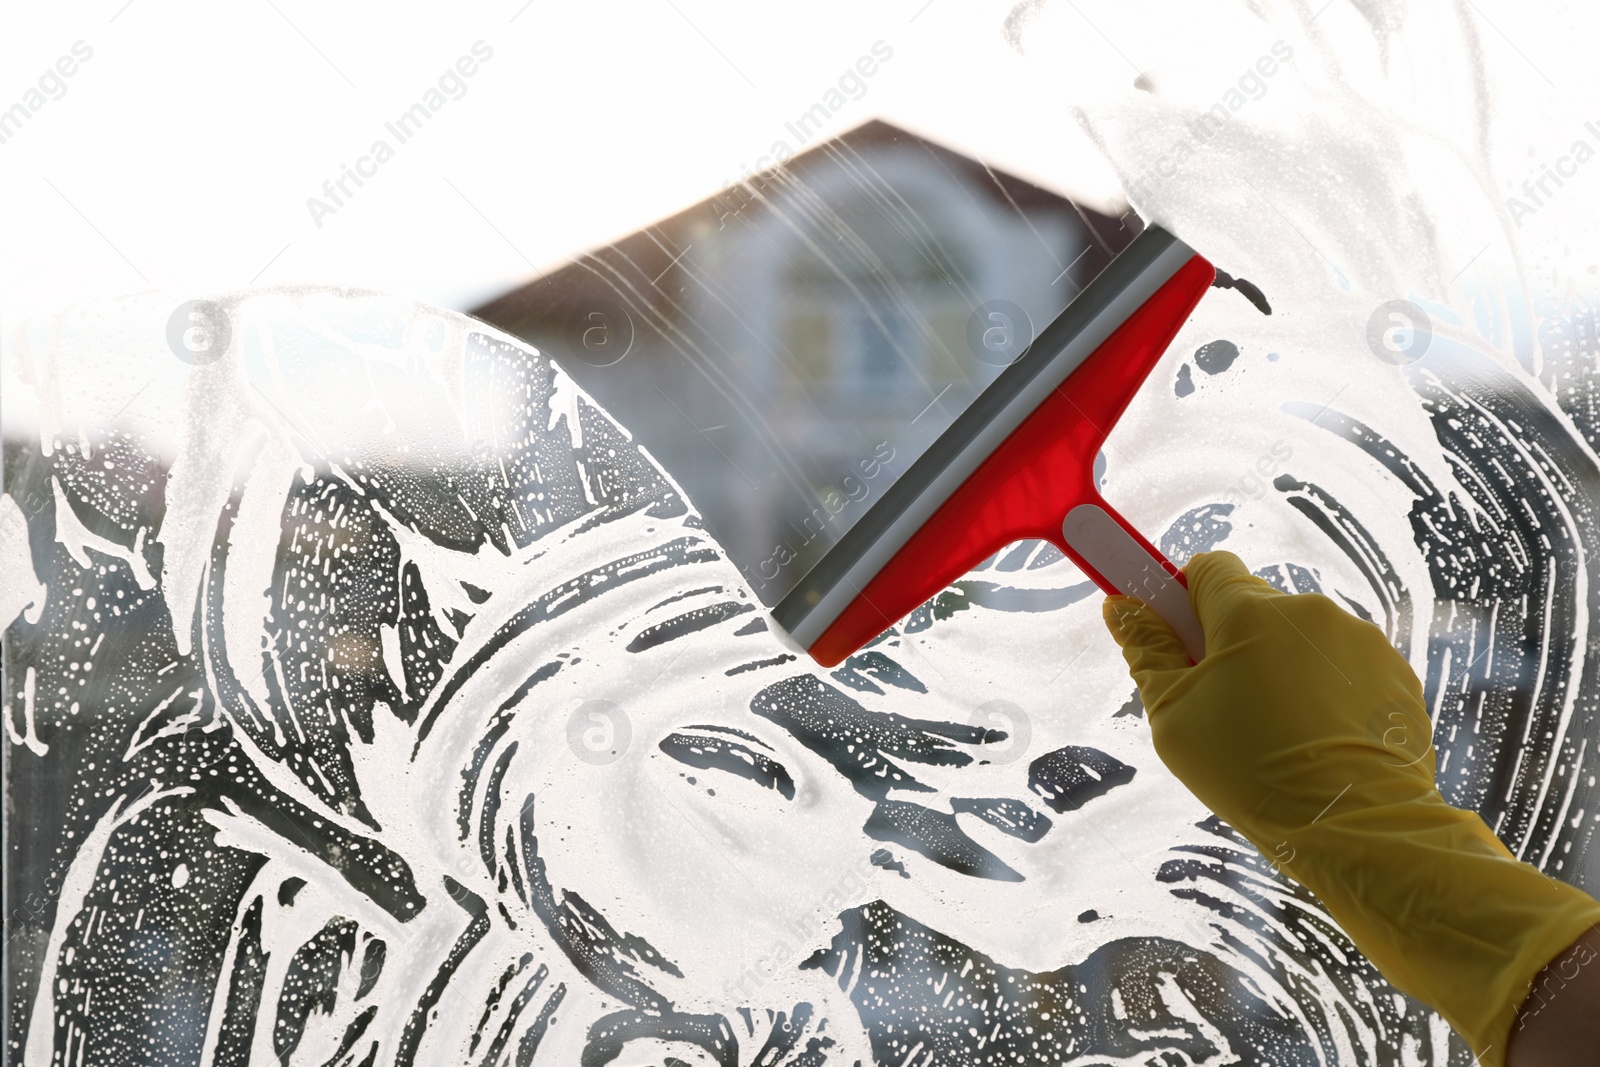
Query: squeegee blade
{"x": 842, "y": 583}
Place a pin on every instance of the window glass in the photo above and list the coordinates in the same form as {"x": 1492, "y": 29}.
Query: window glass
{"x": 384, "y": 685}
{"x": 796, "y": 342}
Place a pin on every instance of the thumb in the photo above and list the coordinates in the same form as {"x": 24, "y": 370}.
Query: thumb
{"x": 1156, "y": 658}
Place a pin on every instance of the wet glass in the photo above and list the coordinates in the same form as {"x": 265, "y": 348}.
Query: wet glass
{"x": 384, "y": 684}
{"x": 788, "y": 347}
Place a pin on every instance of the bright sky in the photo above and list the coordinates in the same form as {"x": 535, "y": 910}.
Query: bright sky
{"x": 181, "y": 153}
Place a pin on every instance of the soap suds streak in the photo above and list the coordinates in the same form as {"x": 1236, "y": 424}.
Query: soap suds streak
{"x": 859, "y": 742}
{"x": 479, "y": 926}
{"x": 564, "y": 598}
{"x": 719, "y": 753}
{"x": 491, "y": 806}
{"x": 607, "y": 958}
{"x": 964, "y": 1008}
{"x": 1009, "y": 816}
{"x": 1072, "y": 776}
{"x": 244, "y": 986}
{"x": 687, "y": 623}
{"x": 524, "y": 997}
{"x": 411, "y": 459}
{"x": 1282, "y": 930}
{"x": 865, "y": 670}
{"x": 759, "y": 664}
{"x": 1351, "y": 538}
{"x": 936, "y": 835}
{"x": 309, "y": 984}
{"x": 1504, "y": 678}
{"x": 421, "y": 1015}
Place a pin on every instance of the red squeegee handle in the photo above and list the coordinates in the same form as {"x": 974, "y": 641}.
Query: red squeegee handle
{"x": 1039, "y": 483}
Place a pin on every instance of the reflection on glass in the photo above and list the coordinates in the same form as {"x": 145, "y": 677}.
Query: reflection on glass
{"x": 797, "y": 342}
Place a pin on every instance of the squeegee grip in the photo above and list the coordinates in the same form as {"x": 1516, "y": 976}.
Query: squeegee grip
{"x": 1120, "y": 560}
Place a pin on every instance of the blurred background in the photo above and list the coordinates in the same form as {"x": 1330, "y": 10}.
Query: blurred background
{"x": 785, "y": 349}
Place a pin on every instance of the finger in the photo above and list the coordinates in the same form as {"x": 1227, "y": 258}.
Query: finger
{"x": 1219, "y": 582}
{"x": 1147, "y": 641}
{"x": 1154, "y": 654}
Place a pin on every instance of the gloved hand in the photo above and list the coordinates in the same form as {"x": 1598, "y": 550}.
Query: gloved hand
{"x": 1292, "y": 730}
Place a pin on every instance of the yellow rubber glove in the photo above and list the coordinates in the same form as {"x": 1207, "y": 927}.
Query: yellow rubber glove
{"x": 1287, "y": 730}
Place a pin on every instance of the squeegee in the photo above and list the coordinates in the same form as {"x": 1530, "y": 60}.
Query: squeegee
{"x": 1019, "y": 464}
